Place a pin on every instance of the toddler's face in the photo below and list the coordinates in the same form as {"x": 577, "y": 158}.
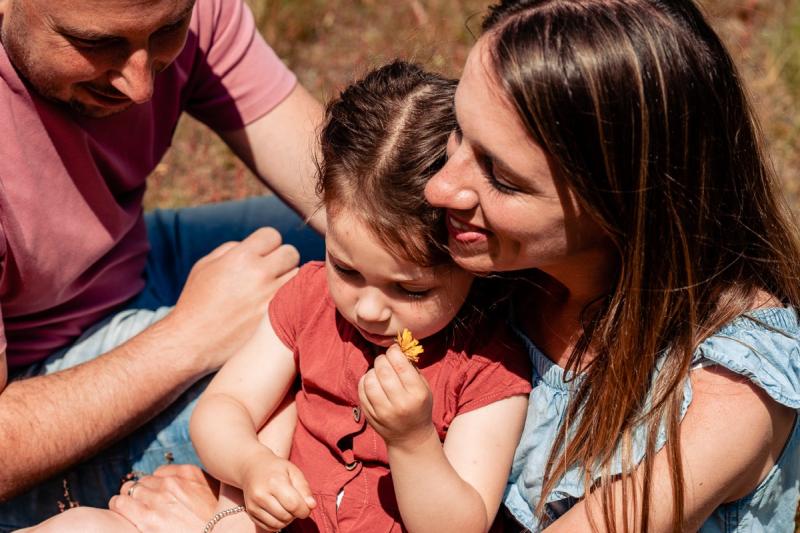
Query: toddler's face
{"x": 380, "y": 294}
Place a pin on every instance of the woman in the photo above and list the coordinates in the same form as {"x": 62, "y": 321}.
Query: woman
{"x": 607, "y": 156}
{"x": 607, "y": 151}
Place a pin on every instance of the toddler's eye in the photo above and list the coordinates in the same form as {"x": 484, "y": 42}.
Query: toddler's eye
{"x": 346, "y": 272}
{"x": 414, "y": 293}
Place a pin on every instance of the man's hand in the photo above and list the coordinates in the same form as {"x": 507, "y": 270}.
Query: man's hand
{"x": 275, "y": 491}
{"x": 396, "y": 400}
{"x": 227, "y": 293}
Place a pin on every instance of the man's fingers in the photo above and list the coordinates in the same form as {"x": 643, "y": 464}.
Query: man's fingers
{"x": 281, "y": 260}
{"x": 263, "y": 241}
{"x": 219, "y": 251}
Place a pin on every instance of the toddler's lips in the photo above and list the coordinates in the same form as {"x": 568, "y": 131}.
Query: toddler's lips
{"x": 464, "y": 232}
{"x": 381, "y": 340}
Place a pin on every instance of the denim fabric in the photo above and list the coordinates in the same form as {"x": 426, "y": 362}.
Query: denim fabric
{"x": 763, "y": 346}
{"x": 177, "y": 239}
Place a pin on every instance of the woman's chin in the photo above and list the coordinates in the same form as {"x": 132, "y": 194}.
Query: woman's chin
{"x": 476, "y": 263}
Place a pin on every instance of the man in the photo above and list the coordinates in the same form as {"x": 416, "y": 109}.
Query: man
{"x": 91, "y": 347}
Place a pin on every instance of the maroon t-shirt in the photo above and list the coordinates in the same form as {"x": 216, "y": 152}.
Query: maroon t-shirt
{"x": 72, "y": 236}
{"x": 333, "y": 445}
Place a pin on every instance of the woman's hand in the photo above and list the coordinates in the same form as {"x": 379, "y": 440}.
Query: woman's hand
{"x": 396, "y": 400}
{"x": 275, "y": 491}
{"x": 175, "y": 499}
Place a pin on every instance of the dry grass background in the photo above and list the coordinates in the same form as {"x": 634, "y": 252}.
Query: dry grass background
{"x": 329, "y": 42}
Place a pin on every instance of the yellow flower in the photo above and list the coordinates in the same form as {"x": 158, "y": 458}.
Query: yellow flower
{"x": 410, "y": 346}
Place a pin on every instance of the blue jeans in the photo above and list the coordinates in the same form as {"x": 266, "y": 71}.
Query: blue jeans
{"x": 178, "y": 239}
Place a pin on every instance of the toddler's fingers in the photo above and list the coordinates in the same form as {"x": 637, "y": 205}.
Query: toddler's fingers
{"x": 375, "y": 393}
{"x": 406, "y": 373}
{"x": 269, "y": 524}
{"x": 388, "y": 378}
{"x": 366, "y": 404}
{"x": 292, "y": 500}
{"x": 270, "y": 514}
{"x": 301, "y": 484}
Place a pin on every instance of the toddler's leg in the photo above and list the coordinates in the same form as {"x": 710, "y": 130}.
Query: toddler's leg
{"x": 84, "y": 520}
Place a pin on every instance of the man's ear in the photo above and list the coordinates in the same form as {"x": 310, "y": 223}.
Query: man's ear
{"x": 4, "y": 5}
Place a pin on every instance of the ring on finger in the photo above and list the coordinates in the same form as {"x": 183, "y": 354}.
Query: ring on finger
{"x": 132, "y": 487}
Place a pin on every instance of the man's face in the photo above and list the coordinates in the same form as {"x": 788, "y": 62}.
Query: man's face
{"x": 97, "y": 56}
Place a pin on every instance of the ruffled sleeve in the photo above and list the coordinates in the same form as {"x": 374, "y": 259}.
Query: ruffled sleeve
{"x": 764, "y": 347}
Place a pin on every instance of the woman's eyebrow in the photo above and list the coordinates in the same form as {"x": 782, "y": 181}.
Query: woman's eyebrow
{"x": 498, "y": 163}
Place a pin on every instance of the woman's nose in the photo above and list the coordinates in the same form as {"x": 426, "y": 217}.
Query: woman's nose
{"x": 451, "y": 188}
{"x": 371, "y": 307}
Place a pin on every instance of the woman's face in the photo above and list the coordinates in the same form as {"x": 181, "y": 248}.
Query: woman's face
{"x": 505, "y": 210}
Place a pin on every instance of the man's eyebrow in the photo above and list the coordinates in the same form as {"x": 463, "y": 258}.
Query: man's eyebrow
{"x": 183, "y": 14}
{"x": 83, "y": 33}
{"x": 92, "y": 35}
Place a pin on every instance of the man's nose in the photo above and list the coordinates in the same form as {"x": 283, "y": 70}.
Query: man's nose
{"x": 136, "y": 77}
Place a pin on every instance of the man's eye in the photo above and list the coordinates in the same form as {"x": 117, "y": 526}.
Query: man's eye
{"x": 173, "y": 27}
{"x": 91, "y": 44}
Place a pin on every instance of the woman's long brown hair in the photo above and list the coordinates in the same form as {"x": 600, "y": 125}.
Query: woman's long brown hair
{"x": 644, "y": 117}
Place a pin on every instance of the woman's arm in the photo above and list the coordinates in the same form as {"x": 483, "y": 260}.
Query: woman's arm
{"x": 731, "y": 436}
{"x": 452, "y": 488}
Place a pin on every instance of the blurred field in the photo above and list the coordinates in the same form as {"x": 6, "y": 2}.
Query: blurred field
{"x": 328, "y": 42}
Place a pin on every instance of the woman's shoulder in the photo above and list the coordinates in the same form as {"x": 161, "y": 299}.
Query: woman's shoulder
{"x": 762, "y": 346}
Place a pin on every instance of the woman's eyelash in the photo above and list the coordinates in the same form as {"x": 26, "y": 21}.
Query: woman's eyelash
{"x": 488, "y": 169}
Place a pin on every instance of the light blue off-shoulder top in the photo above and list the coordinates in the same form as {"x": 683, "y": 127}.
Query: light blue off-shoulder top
{"x": 763, "y": 346}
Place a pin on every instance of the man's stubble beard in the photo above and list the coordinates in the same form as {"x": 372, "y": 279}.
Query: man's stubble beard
{"x": 42, "y": 83}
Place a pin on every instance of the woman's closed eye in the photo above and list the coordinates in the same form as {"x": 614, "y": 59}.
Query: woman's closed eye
{"x": 497, "y": 183}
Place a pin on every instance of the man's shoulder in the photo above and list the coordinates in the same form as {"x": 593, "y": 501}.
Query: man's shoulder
{"x": 211, "y": 16}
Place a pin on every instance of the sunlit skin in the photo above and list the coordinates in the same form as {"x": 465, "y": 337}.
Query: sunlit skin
{"x": 99, "y": 57}
{"x": 381, "y": 294}
{"x": 505, "y": 211}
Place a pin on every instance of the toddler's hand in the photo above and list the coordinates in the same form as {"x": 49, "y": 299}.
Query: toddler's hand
{"x": 396, "y": 399}
{"x": 275, "y": 491}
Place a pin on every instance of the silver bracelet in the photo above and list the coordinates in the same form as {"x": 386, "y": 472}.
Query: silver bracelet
{"x": 220, "y": 515}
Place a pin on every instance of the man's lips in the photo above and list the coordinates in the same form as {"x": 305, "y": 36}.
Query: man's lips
{"x": 465, "y": 232}
{"x": 104, "y": 97}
